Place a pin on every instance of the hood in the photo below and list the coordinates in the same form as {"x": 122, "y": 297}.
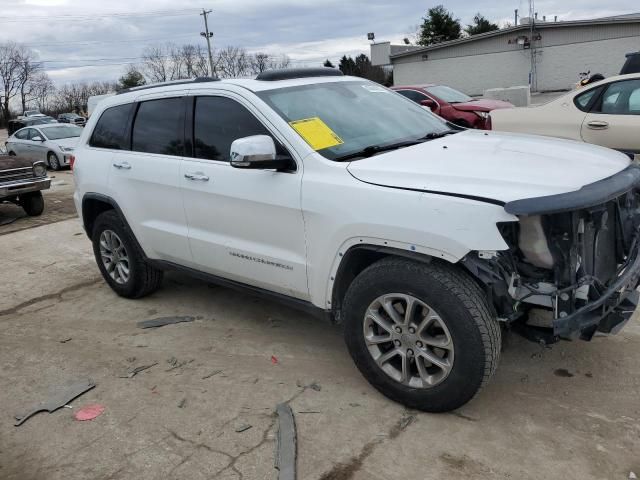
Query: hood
{"x": 66, "y": 142}
{"x": 491, "y": 165}
{"x": 481, "y": 105}
{"x": 8, "y": 162}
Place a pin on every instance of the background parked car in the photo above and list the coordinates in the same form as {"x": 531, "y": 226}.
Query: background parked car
{"x": 15, "y": 125}
{"x": 21, "y": 183}
{"x": 50, "y": 143}
{"x": 73, "y": 118}
{"x": 632, "y": 64}
{"x": 31, "y": 113}
{"x": 606, "y": 113}
{"x": 452, "y": 105}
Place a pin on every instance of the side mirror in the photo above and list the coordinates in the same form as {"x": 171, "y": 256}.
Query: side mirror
{"x": 429, "y": 104}
{"x": 257, "y": 152}
{"x": 38, "y": 138}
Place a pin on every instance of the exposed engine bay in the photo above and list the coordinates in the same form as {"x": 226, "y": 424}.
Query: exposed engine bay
{"x": 573, "y": 261}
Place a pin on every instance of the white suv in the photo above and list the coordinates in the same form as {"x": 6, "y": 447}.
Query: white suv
{"x": 341, "y": 197}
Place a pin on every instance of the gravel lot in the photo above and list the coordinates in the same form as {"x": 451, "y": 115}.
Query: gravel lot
{"x": 571, "y": 411}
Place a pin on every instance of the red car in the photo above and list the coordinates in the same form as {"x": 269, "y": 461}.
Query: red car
{"x": 453, "y": 105}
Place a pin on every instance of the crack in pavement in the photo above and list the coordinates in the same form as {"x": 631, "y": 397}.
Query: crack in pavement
{"x": 346, "y": 470}
{"x": 49, "y": 296}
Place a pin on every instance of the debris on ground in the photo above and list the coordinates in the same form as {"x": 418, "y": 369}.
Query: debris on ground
{"x": 57, "y": 400}
{"x": 175, "y": 363}
{"x": 182, "y": 403}
{"x": 286, "y": 446}
{"x": 562, "y": 372}
{"x": 132, "y": 373}
{"x": 313, "y": 385}
{"x": 274, "y": 360}
{"x": 632, "y": 476}
{"x": 89, "y": 412}
{"x": 242, "y": 427}
{"x": 65, "y": 340}
{"x": 162, "y": 321}
{"x": 215, "y": 372}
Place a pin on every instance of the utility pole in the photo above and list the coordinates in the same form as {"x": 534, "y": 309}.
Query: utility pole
{"x": 207, "y": 34}
{"x": 516, "y": 17}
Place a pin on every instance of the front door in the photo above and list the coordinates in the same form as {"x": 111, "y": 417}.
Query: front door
{"x": 244, "y": 225}
{"x": 614, "y": 120}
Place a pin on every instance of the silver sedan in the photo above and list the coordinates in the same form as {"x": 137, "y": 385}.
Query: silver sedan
{"x": 52, "y": 143}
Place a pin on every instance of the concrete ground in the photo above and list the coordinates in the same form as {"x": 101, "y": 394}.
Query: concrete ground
{"x": 570, "y": 411}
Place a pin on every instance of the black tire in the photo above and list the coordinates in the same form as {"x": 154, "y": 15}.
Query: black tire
{"x": 12, "y": 153}
{"x": 32, "y": 203}
{"x": 52, "y": 160}
{"x": 462, "y": 306}
{"x": 143, "y": 278}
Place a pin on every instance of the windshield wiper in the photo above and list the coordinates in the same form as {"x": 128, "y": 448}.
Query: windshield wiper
{"x": 434, "y": 135}
{"x": 373, "y": 149}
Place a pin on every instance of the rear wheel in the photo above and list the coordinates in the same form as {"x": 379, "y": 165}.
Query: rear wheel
{"x": 120, "y": 260}
{"x": 422, "y": 334}
{"x": 52, "y": 159}
{"x": 12, "y": 153}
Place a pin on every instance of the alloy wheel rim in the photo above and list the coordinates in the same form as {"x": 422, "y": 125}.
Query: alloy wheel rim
{"x": 408, "y": 340}
{"x": 114, "y": 257}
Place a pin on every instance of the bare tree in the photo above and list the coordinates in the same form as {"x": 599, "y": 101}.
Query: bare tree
{"x": 261, "y": 61}
{"x": 233, "y": 62}
{"x": 9, "y": 76}
{"x": 28, "y": 70}
{"x": 42, "y": 90}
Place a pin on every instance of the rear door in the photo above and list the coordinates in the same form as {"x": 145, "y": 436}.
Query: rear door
{"x": 19, "y": 143}
{"x": 145, "y": 178}
{"x": 614, "y": 119}
{"x": 244, "y": 225}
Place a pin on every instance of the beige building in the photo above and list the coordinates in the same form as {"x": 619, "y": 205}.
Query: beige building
{"x": 547, "y": 55}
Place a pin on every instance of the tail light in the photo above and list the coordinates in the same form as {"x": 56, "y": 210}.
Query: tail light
{"x": 487, "y": 123}
{"x": 72, "y": 160}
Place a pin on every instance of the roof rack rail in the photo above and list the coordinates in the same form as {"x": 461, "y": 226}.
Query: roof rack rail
{"x": 166, "y": 84}
{"x": 289, "y": 73}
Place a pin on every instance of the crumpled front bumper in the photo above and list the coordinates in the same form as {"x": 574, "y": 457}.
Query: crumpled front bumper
{"x": 610, "y": 312}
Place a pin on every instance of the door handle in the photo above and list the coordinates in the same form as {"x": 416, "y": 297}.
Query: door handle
{"x": 598, "y": 125}
{"x": 196, "y": 176}
{"x": 122, "y": 165}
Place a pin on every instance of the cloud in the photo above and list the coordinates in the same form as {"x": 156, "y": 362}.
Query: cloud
{"x": 96, "y": 40}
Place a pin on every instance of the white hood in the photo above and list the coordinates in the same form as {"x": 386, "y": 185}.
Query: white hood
{"x": 498, "y": 166}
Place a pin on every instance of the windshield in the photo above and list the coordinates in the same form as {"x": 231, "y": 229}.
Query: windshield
{"x": 63, "y": 131}
{"x": 340, "y": 118}
{"x": 448, "y": 94}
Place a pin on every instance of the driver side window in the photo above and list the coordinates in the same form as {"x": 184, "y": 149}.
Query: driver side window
{"x": 23, "y": 134}
{"x": 218, "y": 121}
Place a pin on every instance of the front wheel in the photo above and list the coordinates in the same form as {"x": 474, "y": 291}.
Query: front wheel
{"x": 53, "y": 161}
{"x": 32, "y": 203}
{"x": 120, "y": 260}
{"x": 422, "y": 334}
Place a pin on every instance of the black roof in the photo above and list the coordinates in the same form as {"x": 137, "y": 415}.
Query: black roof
{"x": 165, "y": 84}
{"x": 289, "y": 73}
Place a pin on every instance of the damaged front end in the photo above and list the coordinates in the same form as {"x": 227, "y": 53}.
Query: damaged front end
{"x": 573, "y": 262}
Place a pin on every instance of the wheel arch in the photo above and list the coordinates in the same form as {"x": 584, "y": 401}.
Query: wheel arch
{"x": 358, "y": 257}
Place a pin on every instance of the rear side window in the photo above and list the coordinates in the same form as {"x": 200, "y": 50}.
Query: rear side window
{"x": 110, "y": 131}
{"x": 158, "y": 127}
{"x": 218, "y": 121}
{"x": 583, "y": 100}
{"x": 22, "y": 134}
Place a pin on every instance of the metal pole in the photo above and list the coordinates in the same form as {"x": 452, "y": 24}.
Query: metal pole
{"x": 206, "y": 34}
{"x": 516, "y": 17}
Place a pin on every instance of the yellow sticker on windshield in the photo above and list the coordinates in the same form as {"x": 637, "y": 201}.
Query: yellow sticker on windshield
{"x": 316, "y": 133}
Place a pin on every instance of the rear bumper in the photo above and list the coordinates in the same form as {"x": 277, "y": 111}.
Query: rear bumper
{"x": 22, "y": 187}
{"x": 609, "y": 313}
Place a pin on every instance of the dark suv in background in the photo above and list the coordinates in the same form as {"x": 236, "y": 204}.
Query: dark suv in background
{"x": 72, "y": 118}
{"x": 632, "y": 64}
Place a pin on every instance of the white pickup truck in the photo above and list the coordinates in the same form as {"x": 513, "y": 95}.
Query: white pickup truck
{"x": 343, "y": 198}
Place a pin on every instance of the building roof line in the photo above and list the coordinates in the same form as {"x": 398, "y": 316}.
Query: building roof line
{"x": 523, "y": 27}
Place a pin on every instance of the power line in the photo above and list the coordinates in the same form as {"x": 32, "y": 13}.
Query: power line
{"x": 91, "y": 17}
{"x": 95, "y": 42}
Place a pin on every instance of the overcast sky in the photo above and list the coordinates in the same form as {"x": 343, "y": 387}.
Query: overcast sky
{"x": 96, "y": 39}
